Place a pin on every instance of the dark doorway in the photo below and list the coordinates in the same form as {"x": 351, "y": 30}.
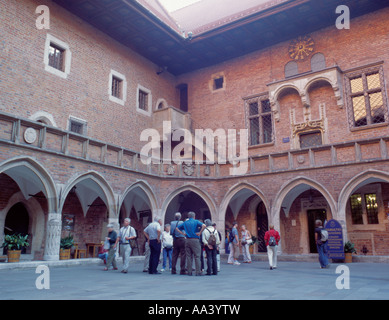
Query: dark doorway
{"x": 17, "y": 221}
{"x": 262, "y": 225}
{"x": 313, "y": 215}
{"x": 187, "y": 201}
{"x": 183, "y": 92}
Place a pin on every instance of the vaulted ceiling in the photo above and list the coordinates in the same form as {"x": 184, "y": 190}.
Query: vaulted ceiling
{"x": 155, "y": 38}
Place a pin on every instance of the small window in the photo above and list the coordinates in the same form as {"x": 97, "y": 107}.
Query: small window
{"x": 77, "y": 126}
{"x": 183, "y": 93}
{"x": 57, "y": 57}
{"x": 218, "y": 83}
{"x": 143, "y": 103}
{"x": 143, "y": 100}
{"x": 117, "y": 87}
{"x": 311, "y": 139}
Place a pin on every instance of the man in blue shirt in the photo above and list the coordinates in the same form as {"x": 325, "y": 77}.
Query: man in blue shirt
{"x": 192, "y": 230}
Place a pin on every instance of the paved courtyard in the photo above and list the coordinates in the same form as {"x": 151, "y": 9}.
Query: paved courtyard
{"x": 292, "y": 280}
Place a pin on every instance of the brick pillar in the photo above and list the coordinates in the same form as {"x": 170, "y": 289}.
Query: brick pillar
{"x": 53, "y": 237}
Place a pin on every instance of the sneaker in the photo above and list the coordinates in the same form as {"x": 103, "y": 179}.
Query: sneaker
{"x": 236, "y": 263}
{"x": 162, "y": 270}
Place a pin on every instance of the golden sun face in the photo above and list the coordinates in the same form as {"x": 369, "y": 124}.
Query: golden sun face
{"x": 301, "y": 48}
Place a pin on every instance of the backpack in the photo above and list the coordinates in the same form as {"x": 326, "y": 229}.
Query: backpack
{"x": 212, "y": 238}
{"x": 324, "y": 235}
{"x": 272, "y": 240}
{"x": 231, "y": 237}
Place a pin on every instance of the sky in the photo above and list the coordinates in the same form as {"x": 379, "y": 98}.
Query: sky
{"x": 173, "y": 5}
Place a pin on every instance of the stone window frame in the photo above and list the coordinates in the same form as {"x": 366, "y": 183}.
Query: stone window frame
{"x": 117, "y": 75}
{"x": 258, "y": 99}
{"x": 52, "y": 41}
{"x": 212, "y": 83}
{"x": 146, "y": 91}
{"x": 363, "y": 71}
{"x": 78, "y": 121}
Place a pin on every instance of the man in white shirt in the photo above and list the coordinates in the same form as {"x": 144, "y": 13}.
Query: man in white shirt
{"x": 126, "y": 234}
{"x": 153, "y": 235}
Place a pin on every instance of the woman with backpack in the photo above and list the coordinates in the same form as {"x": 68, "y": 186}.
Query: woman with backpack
{"x": 272, "y": 237}
{"x": 211, "y": 240}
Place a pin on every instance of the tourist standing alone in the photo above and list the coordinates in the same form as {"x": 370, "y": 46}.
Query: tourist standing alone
{"x": 272, "y": 237}
{"x": 321, "y": 244}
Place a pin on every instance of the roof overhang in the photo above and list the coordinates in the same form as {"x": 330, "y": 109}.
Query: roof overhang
{"x": 153, "y": 34}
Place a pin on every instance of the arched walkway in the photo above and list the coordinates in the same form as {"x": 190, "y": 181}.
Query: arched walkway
{"x": 176, "y": 200}
{"x": 299, "y": 203}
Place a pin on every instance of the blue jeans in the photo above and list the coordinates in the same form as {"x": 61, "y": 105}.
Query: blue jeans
{"x": 323, "y": 257}
{"x": 167, "y": 252}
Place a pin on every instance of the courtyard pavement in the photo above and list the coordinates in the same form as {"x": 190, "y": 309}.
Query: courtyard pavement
{"x": 290, "y": 281}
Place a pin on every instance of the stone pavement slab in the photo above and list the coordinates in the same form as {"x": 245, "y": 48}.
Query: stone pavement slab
{"x": 290, "y": 281}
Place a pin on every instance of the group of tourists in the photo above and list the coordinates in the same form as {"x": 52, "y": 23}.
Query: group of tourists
{"x": 189, "y": 240}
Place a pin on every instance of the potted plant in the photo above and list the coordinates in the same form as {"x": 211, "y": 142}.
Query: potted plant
{"x": 349, "y": 249}
{"x": 65, "y": 247}
{"x": 14, "y": 244}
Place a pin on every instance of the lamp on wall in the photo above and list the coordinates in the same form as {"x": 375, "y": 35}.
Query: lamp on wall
{"x": 161, "y": 70}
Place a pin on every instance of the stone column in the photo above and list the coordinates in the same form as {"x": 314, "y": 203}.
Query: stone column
{"x": 53, "y": 237}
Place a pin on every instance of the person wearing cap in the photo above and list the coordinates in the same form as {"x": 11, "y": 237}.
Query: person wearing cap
{"x": 112, "y": 236}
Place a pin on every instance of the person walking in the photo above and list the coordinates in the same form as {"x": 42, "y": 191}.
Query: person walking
{"x": 178, "y": 245}
{"x": 246, "y": 241}
{"x": 192, "y": 230}
{"x": 234, "y": 245}
{"x": 321, "y": 244}
{"x": 167, "y": 247}
{"x": 272, "y": 238}
{"x": 153, "y": 236}
{"x": 111, "y": 238}
{"x": 211, "y": 240}
{"x": 126, "y": 234}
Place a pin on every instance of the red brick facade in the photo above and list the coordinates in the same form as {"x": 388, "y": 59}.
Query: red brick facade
{"x": 103, "y": 164}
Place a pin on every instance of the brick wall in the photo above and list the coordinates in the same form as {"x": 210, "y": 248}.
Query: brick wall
{"x": 364, "y": 43}
{"x": 84, "y": 94}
